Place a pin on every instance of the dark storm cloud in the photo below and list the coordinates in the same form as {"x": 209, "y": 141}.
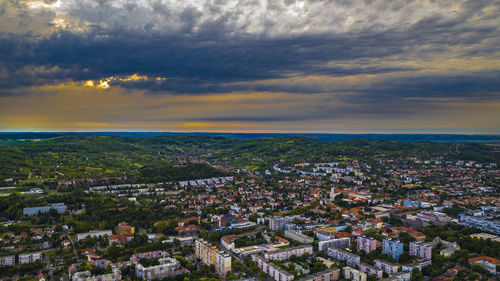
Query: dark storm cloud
{"x": 210, "y": 56}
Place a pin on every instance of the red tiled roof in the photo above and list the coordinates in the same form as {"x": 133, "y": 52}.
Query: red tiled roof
{"x": 485, "y": 258}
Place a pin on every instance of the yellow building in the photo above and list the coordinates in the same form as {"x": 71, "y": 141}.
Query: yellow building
{"x": 205, "y": 251}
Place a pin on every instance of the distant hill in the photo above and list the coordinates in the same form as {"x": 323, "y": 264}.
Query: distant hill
{"x": 442, "y": 138}
{"x": 70, "y": 156}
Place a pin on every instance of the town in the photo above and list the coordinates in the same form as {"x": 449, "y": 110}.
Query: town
{"x": 382, "y": 217}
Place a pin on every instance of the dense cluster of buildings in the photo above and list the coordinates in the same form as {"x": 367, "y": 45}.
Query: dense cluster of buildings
{"x": 347, "y": 209}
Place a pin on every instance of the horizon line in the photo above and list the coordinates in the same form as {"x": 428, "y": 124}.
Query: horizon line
{"x": 255, "y": 132}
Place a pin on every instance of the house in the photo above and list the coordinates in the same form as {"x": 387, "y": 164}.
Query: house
{"x": 120, "y": 239}
{"x": 124, "y": 228}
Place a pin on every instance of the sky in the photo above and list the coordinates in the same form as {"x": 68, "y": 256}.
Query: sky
{"x": 339, "y": 66}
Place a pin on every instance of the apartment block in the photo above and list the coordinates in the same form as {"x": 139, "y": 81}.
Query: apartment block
{"x": 339, "y": 254}
{"x": 423, "y": 250}
{"x": 393, "y": 248}
{"x": 278, "y": 223}
{"x": 222, "y": 263}
{"x": 370, "y": 269}
{"x": 324, "y": 235}
{"x": 149, "y": 255}
{"x": 325, "y": 275}
{"x": 418, "y": 264}
{"x": 287, "y": 253}
{"x": 401, "y": 276}
{"x": 478, "y": 222}
{"x": 354, "y": 274}
{"x": 272, "y": 270}
{"x": 205, "y": 251}
{"x": 30, "y": 257}
{"x": 94, "y": 233}
{"x": 299, "y": 237}
{"x": 387, "y": 267}
{"x": 366, "y": 244}
{"x": 87, "y": 276}
{"x": 344, "y": 242}
{"x": 8, "y": 260}
{"x": 167, "y": 267}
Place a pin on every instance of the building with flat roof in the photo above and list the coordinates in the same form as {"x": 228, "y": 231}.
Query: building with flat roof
{"x": 387, "y": 267}
{"x": 33, "y": 211}
{"x": 205, "y": 251}
{"x": 339, "y": 254}
{"x": 344, "y": 242}
{"x": 87, "y": 276}
{"x": 366, "y": 244}
{"x": 252, "y": 250}
{"x": 418, "y": 264}
{"x": 8, "y": 260}
{"x": 93, "y": 233}
{"x": 353, "y": 274}
{"x": 401, "y": 276}
{"x": 278, "y": 223}
{"x": 30, "y": 257}
{"x": 393, "y": 248}
{"x": 370, "y": 269}
{"x": 423, "y": 250}
{"x": 222, "y": 263}
{"x": 299, "y": 237}
{"x": 167, "y": 267}
{"x": 272, "y": 270}
{"x": 478, "y": 222}
{"x": 325, "y": 275}
{"x": 485, "y": 236}
{"x": 324, "y": 235}
{"x": 285, "y": 254}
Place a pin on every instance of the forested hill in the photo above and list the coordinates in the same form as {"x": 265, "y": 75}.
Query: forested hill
{"x": 59, "y": 157}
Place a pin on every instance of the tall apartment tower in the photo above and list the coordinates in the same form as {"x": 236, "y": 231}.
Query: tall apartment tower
{"x": 222, "y": 263}
{"x": 393, "y": 248}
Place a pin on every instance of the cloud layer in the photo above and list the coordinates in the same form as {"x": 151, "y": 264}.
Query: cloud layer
{"x": 345, "y": 61}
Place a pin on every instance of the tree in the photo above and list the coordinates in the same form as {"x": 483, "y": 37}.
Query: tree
{"x": 416, "y": 275}
{"x": 214, "y": 236}
{"x": 177, "y": 242}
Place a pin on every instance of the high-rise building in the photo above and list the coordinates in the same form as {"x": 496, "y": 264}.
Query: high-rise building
{"x": 393, "y": 248}
{"x": 344, "y": 242}
{"x": 205, "y": 251}
{"x": 222, "y": 263}
{"x": 366, "y": 244}
{"x": 423, "y": 250}
{"x": 278, "y": 223}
